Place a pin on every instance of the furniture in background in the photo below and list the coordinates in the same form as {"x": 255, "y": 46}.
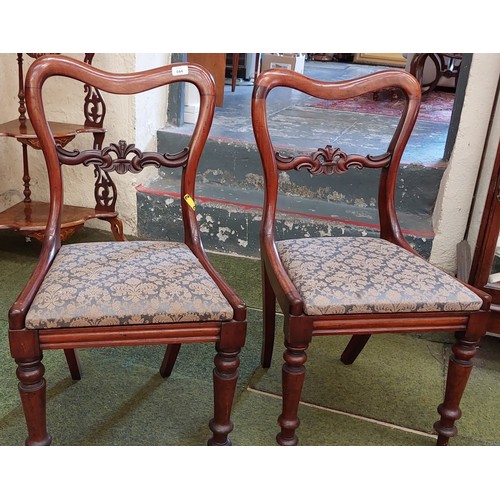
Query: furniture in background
{"x": 240, "y": 62}
{"x": 216, "y": 65}
{"x": 431, "y": 71}
{"x": 435, "y": 70}
{"x": 234, "y": 71}
{"x": 123, "y": 293}
{"x": 382, "y": 59}
{"x": 323, "y": 57}
{"x": 29, "y": 217}
{"x": 219, "y": 65}
{"x": 355, "y": 286}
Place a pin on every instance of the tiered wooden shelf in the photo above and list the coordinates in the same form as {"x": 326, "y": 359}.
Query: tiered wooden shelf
{"x": 30, "y": 217}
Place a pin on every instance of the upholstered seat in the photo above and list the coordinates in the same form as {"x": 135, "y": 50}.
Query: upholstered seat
{"x": 369, "y": 275}
{"x": 126, "y": 283}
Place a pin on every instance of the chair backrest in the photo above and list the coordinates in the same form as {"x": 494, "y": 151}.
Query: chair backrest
{"x": 120, "y": 156}
{"x": 330, "y": 159}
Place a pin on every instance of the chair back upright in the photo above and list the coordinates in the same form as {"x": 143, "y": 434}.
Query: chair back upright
{"x": 330, "y": 159}
{"x": 120, "y": 156}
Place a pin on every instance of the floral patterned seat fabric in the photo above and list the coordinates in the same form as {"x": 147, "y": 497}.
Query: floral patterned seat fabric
{"x": 126, "y": 283}
{"x": 351, "y": 275}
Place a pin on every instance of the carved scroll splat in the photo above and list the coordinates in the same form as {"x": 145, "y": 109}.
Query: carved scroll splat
{"x": 116, "y": 158}
{"x": 105, "y": 192}
{"x": 94, "y": 108}
{"x": 330, "y": 160}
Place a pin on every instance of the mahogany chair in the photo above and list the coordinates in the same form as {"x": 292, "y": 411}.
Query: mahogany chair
{"x": 123, "y": 293}
{"x": 350, "y": 285}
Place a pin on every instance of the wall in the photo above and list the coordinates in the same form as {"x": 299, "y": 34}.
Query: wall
{"x": 457, "y": 188}
{"x": 148, "y": 110}
{"x": 493, "y": 142}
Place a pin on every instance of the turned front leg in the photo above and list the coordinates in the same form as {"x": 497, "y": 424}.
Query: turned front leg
{"x": 225, "y": 377}
{"x": 459, "y": 368}
{"x": 32, "y": 389}
{"x": 293, "y": 373}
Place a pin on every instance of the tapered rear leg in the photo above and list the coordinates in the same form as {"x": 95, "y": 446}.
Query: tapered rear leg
{"x": 169, "y": 359}
{"x": 269, "y": 314}
{"x": 73, "y": 363}
{"x": 353, "y": 348}
{"x": 32, "y": 388}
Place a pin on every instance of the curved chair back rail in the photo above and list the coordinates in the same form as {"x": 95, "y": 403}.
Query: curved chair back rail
{"x": 121, "y": 84}
{"x": 348, "y": 89}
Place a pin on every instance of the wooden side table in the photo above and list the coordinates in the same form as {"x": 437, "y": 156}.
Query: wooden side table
{"x": 234, "y": 70}
{"x": 30, "y": 217}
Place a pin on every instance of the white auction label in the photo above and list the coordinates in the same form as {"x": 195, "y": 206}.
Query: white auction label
{"x": 180, "y": 70}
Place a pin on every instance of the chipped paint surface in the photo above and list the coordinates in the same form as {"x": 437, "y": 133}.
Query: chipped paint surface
{"x": 223, "y": 233}
{"x": 231, "y": 163}
{"x": 231, "y": 182}
{"x": 227, "y": 229}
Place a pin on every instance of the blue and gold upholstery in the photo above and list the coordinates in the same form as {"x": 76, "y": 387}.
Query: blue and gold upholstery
{"x": 126, "y": 283}
{"x": 352, "y": 275}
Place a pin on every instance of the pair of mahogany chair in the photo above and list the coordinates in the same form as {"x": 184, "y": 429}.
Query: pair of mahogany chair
{"x": 81, "y": 295}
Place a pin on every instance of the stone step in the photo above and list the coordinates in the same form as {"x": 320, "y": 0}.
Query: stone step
{"x": 230, "y": 217}
{"x": 236, "y": 163}
{"x": 229, "y": 199}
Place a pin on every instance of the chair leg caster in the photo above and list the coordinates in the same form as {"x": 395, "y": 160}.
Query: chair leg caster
{"x": 220, "y": 433}
{"x": 286, "y": 441}
{"x": 39, "y": 442}
{"x": 442, "y": 441}
{"x": 213, "y": 442}
{"x": 445, "y": 427}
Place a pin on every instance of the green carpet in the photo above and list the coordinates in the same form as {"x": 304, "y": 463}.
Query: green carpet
{"x": 387, "y": 397}
{"x": 258, "y": 412}
{"x": 397, "y": 379}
